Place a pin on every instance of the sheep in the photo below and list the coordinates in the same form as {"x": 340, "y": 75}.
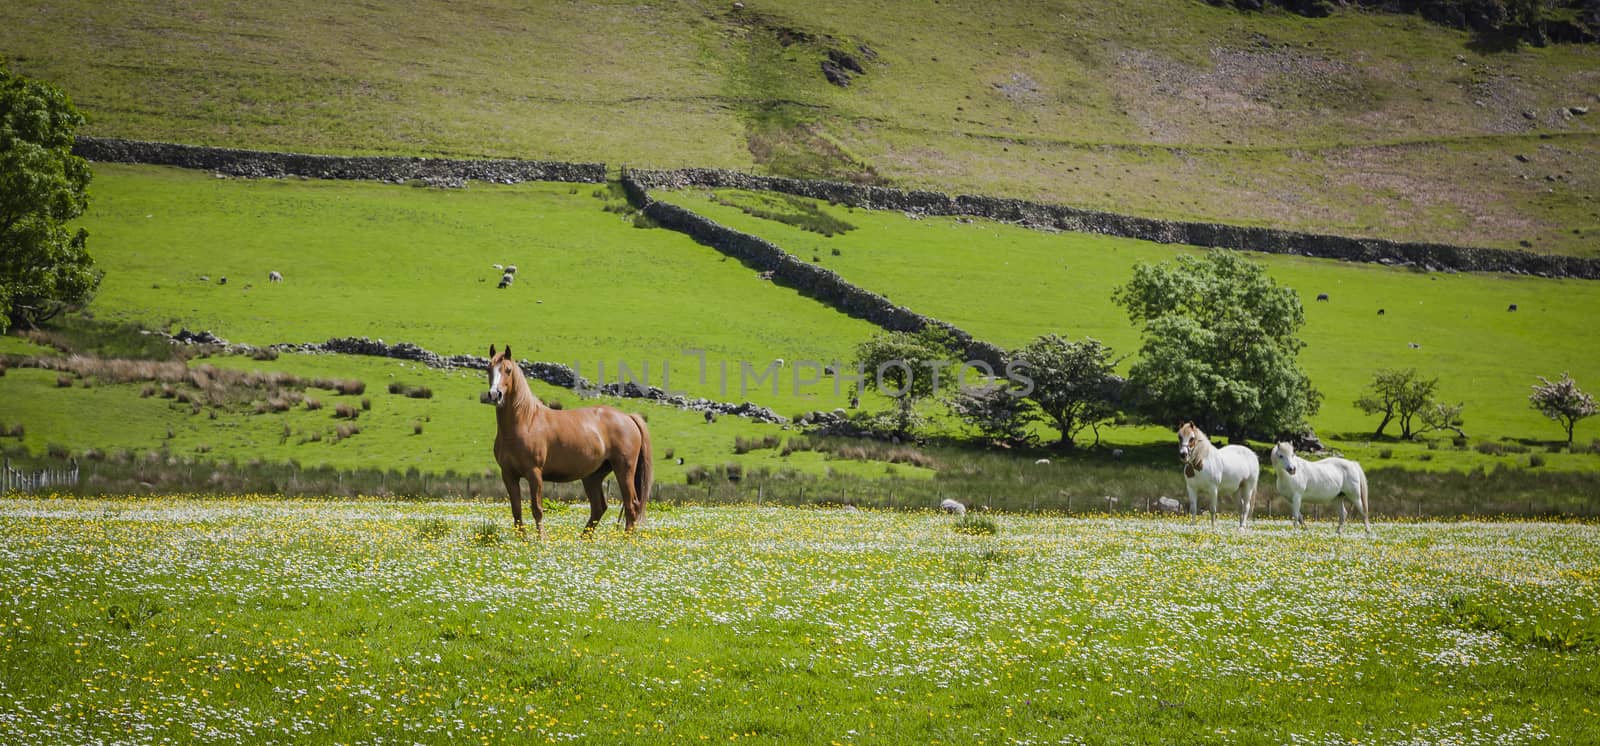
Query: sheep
{"x": 511, "y": 269}
{"x": 497, "y": 267}
{"x": 222, "y": 280}
{"x": 855, "y": 401}
{"x": 1322, "y": 297}
{"x": 1380, "y": 312}
{"x": 1511, "y": 307}
{"x": 1042, "y": 462}
{"x": 1116, "y": 454}
{"x": 710, "y": 417}
{"x": 767, "y": 275}
{"x": 274, "y": 276}
{"x": 1414, "y": 345}
{"x": 952, "y": 507}
{"x": 506, "y": 280}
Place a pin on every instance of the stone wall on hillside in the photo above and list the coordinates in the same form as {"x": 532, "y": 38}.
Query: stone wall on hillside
{"x": 261, "y": 164}
{"x": 1428, "y": 256}
{"x": 812, "y": 281}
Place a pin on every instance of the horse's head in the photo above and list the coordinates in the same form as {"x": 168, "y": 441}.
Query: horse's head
{"x": 1189, "y": 438}
{"x": 501, "y": 376}
{"x": 1283, "y": 457}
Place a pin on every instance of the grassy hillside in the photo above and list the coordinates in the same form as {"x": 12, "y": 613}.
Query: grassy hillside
{"x": 1009, "y": 285}
{"x": 411, "y": 264}
{"x": 1361, "y": 123}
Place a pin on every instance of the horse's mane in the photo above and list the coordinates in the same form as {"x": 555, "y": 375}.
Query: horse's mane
{"x": 523, "y": 402}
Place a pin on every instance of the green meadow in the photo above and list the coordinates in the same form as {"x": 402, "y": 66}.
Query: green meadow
{"x": 181, "y": 620}
{"x": 411, "y": 264}
{"x": 1008, "y": 285}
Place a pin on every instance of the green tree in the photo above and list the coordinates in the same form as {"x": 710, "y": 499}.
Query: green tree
{"x": 1219, "y": 346}
{"x": 996, "y": 412}
{"x": 1401, "y": 394}
{"x": 45, "y": 268}
{"x": 1073, "y": 383}
{"x": 909, "y": 367}
{"x": 1563, "y": 402}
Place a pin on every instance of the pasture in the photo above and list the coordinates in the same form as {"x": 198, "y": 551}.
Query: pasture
{"x": 1008, "y": 285}
{"x": 410, "y": 264}
{"x": 174, "y": 619}
{"x": 1361, "y": 123}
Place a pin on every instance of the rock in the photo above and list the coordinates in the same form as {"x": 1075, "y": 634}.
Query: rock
{"x": 1530, "y": 114}
{"x": 1522, "y": 158}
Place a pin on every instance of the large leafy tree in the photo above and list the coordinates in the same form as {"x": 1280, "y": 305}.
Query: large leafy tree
{"x": 1220, "y": 346}
{"x": 1563, "y": 402}
{"x": 45, "y": 267}
{"x": 1073, "y": 382}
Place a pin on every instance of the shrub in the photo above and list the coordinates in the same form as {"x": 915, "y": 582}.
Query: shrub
{"x": 351, "y": 388}
{"x": 366, "y": 404}
{"x": 1491, "y": 449}
{"x": 345, "y": 411}
{"x": 555, "y": 404}
{"x": 1535, "y": 461}
{"x": 64, "y": 381}
{"x": 313, "y": 404}
{"x": 696, "y": 474}
{"x": 432, "y": 529}
{"x": 486, "y": 533}
{"x": 416, "y": 428}
{"x": 670, "y": 453}
{"x": 1386, "y": 453}
{"x": 57, "y": 451}
{"x": 973, "y": 524}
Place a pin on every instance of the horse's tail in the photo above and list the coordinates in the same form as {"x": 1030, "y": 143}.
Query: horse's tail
{"x": 643, "y": 468}
{"x": 1363, "y": 474}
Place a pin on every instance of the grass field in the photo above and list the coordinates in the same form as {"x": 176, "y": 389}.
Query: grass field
{"x": 1008, "y": 285}
{"x": 456, "y": 431}
{"x": 1365, "y": 123}
{"x": 267, "y": 621}
{"x": 410, "y": 264}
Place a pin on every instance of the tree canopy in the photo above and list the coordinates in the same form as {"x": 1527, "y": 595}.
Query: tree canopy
{"x": 1073, "y": 382}
{"x": 45, "y": 267}
{"x": 1219, "y": 346}
{"x": 1563, "y": 402}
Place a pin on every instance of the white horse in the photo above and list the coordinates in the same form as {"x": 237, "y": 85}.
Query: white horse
{"x": 1208, "y": 469}
{"x": 1320, "y": 482}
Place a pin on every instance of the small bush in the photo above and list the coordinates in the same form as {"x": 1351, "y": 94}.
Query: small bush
{"x": 1459, "y": 441}
{"x": 432, "y": 529}
{"x": 1386, "y": 453}
{"x": 366, "y": 404}
{"x": 696, "y": 474}
{"x": 57, "y": 451}
{"x": 345, "y": 411}
{"x": 396, "y": 387}
{"x": 555, "y": 404}
{"x": 486, "y": 533}
{"x": 313, "y": 404}
{"x": 263, "y": 353}
{"x": 973, "y": 524}
{"x": 670, "y": 453}
{"x": 351, "y": 388}
{"x": 1535, "y": 461}
{"x": 64, "y": 382}
{"x": 1425, "y": 457}
{"x": 94, "y": 454}
{"x": 1491, "y": 449}
{"x": 416, "y": 428}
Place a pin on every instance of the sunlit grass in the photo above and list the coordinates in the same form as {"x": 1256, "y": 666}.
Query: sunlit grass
{"x": 254, "y": 620}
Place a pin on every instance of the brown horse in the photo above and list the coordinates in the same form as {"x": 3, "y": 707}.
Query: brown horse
{"x": 541, "y": 444}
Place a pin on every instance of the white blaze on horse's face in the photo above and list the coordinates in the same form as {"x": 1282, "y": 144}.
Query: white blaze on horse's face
{"x": 496, "y": 396}
{"x": 1187, "y": 439}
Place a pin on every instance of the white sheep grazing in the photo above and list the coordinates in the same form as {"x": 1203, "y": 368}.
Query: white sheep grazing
{"x": 275, "y": 276}
{"x": 497, "y": 267}
{"x": 1042, "y": 462}
{"x": 511, "y": 269}
{"x": 953, "y": 507}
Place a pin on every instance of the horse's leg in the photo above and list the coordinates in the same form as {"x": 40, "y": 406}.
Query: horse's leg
{"x": 1247, "y": 495}
{"x": 1214, "y": 491}
{"x": 1342, "y": 510}
{"x": 1294, "y": 507}
{"x": 514, "y": 489}
{"x": 623, "y": 468}
{"x": 1194, "y": 503}
{"x": 536, "y": 500}
{"x": 594, "y": 486}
